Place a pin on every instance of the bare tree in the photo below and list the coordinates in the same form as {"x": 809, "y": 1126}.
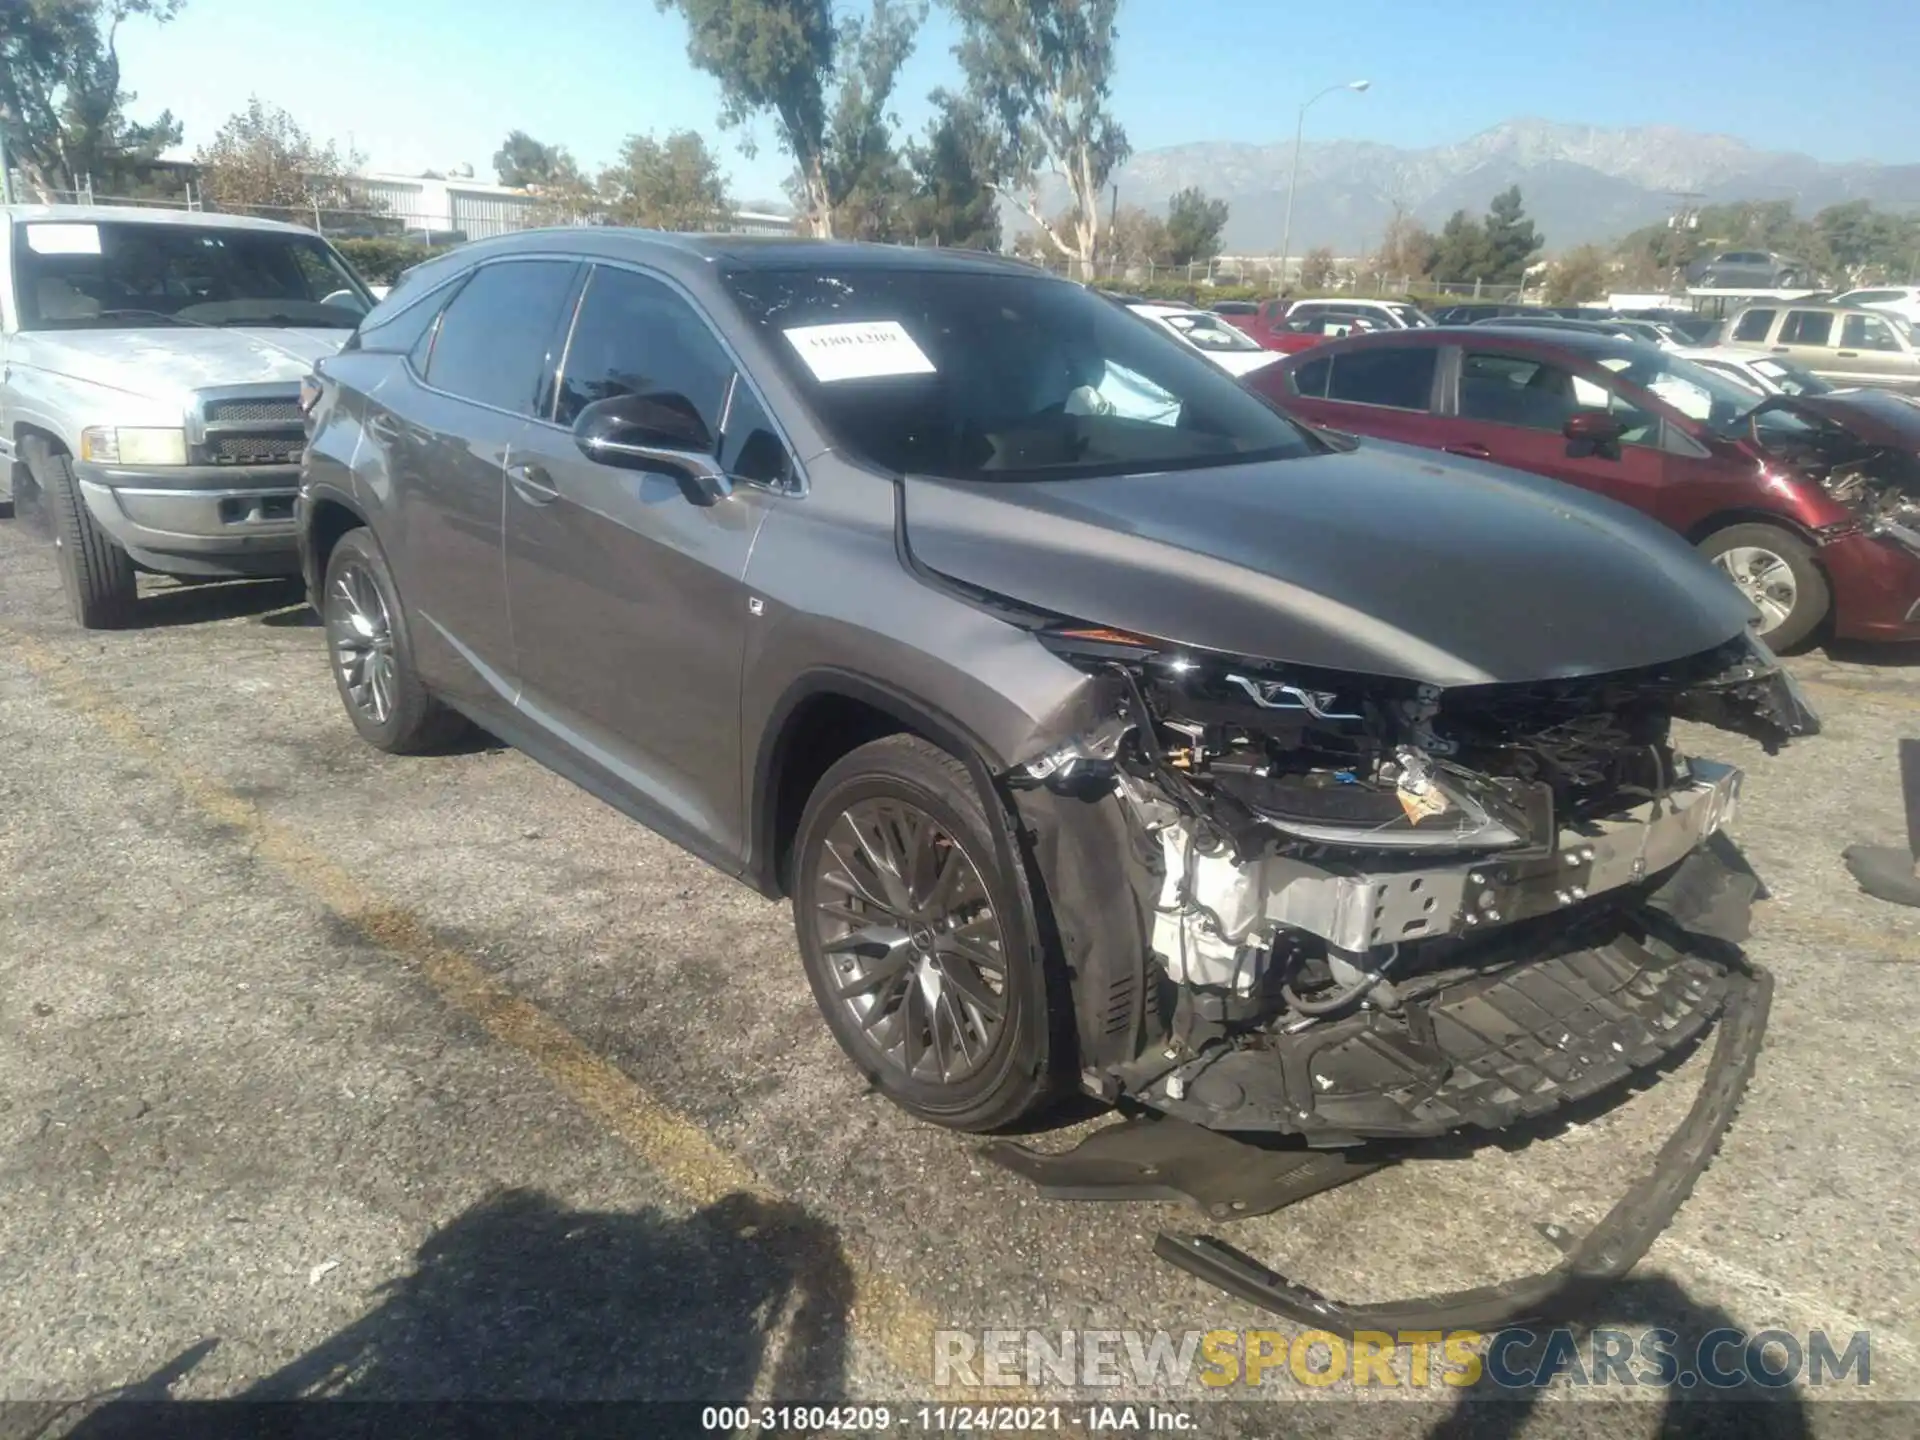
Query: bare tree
{"x": 1041, "y": 72}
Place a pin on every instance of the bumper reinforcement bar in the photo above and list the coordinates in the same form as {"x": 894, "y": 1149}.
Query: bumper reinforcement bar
{"x": 1591, "y": 1264}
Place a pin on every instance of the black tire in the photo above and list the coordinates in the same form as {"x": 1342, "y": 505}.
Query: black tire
{"x": 1019, "y": 1070}
{"x": 1812, "y": 599}
{"x": 97, "y": 575}
{"x": 412, "y": 721}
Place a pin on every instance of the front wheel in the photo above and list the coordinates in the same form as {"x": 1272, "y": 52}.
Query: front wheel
{"x": 1774, "y": 569}
{"x": 918, "y": 944}
{"x": 96, "y": 574}
{"x": 372, "y": 659}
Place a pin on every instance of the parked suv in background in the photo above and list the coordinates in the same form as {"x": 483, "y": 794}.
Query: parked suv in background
{"x": 1901, "y": 300}
{"x": 1811, "y": 504}
{"x": 1843, "y": 346}
{"x": 1397, "y": 314}
{"x": 1058, "y": 680}
{"x": 150, "y": 368}
{"x": 1748, "y": 270}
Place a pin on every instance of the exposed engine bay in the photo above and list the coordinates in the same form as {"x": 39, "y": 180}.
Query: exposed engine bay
{"x": 1853, "y": 462}
{"x": 1365, "y": 894}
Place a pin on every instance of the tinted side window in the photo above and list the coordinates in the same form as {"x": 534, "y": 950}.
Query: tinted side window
{"x": 496, "y": 337}
{"x": 1513, "y": 390}
{"x": 636, "y": 336}
{"x": 1806, "y": 327}
{"x": 1400, "y": 377}
{"x": 1753, "y": 326}
{"x": 1311, "y": 379}
{"x": 1867, "y": 332}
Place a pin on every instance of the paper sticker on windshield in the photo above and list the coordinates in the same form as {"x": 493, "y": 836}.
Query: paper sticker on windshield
{"x": 860, "y": 350}
{"x": 63, "y": 239}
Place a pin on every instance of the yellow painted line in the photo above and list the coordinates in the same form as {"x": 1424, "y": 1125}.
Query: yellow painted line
{"x": 883, "y": 1313}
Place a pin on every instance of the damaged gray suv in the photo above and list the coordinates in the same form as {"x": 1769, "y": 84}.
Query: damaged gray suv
{"x": 1105, "y": 727}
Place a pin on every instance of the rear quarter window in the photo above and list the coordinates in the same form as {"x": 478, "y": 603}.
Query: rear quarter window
{"x": 1753, "y": 326}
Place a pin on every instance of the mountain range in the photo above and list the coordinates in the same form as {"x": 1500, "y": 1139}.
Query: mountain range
{"x": 1580, "y": 182}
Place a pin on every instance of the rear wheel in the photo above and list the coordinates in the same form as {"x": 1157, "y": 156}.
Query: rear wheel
{"x": 372, "y": 659}
{"x": 918, "y": 945}
{"x": 1773, "y": 568}
{"x": 97, "y": 575}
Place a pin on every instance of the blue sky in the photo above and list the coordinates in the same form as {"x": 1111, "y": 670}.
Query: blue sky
{"x": 431, "y": 83}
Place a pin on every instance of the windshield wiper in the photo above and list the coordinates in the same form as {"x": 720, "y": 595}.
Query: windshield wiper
{"x": 157, "y": 315}
{"x": 281, "y": 318}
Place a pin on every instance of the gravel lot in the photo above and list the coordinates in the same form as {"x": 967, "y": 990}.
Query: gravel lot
{"x": 323, "y": 1071}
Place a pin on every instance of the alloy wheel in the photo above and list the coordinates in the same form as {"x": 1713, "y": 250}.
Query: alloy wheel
{"x": 360, "y": 632}
{"x": 1764, "y": 578}
{"x": 908, "y": 929}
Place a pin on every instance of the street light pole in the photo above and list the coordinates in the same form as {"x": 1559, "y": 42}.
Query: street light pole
{"x": 1293, "y": 181}
{"x": 6, "y": 171}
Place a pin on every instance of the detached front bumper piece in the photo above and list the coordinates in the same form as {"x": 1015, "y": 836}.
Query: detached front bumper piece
{"x": 1539, "y": 1014}
{"x": 1592, "y": 1263}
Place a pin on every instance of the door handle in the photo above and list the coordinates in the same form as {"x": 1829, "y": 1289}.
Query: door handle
{"x": 1471, "y": 451}
{"x": 1779, "y": 349}
{"x": 1848, "y": 354}
{"x": 531, "y": 483}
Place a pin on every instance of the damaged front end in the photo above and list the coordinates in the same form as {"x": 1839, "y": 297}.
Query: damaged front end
{"x": 1362, "y": 908}
{"x": 1858, "y": 448}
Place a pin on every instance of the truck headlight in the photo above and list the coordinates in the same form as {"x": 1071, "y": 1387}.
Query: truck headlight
{"x": 107, "y": 445}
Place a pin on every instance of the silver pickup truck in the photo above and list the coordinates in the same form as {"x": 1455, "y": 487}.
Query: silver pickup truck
{"x": 150, "y": 369}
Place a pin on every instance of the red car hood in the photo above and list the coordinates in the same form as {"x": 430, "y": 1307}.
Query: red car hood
{"x": 1877, "y": 417}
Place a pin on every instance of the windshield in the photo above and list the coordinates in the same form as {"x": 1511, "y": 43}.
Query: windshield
{"x": 1791, "y": 379}
{"x": 1719, "y": 403}
{"x": 1411, "y": 316}
{"x": 72, "y": 276}
{"x": 980, "y": 375}
{"x": 1210, "y": 333}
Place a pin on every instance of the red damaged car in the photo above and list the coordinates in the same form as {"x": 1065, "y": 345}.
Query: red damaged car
{"x": 1810, "y": 503}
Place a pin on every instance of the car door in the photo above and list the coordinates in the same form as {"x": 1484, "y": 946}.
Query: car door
{"x": 627, "y": 598}
{"x": 1510, "y": 406}
{"x": 1871, "y": 352}
{"x": 1808, "y": 336}
{"x": 447, "y": 421}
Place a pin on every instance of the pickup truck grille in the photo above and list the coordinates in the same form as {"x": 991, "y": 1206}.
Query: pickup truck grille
{"x": 243, "y": 412}
{"x": 249, "y": 425}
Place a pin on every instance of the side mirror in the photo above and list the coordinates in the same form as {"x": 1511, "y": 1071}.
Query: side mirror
{"x": 660, "y": 432}
{"x": 1592, "y": 432}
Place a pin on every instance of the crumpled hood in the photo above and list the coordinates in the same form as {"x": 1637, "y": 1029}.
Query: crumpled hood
{"x": 167, "y": 363}
{"x": 1876, "y": 417}
{"x": 1385, "y": 560}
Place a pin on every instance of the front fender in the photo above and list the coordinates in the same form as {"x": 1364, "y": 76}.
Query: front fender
{"x": 63, "y": 405}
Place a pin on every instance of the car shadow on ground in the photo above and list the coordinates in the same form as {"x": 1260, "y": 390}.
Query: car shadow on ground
{"x": 526, "y": 1306}
{"x": 272, "y": 602}
{"x": 1887, "y": 655}
{"x": 1636, "y": 1305}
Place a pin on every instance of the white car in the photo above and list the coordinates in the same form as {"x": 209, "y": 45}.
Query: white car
{"x": 1234, "y": 351}
{"x": 1901, "y": 300}
{"x": 1762, "y": 374}
{"x": 1397, "y": 314}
